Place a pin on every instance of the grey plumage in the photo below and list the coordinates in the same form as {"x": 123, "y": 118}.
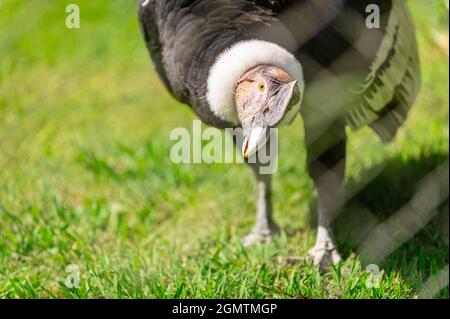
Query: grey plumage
{"x": 184, "y": 38}
{"x": 354, "y": 76}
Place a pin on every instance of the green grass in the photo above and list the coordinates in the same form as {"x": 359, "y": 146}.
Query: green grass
{"x": 86, "y": 179}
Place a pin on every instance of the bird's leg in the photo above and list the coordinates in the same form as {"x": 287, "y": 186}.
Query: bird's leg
{"x": 328, "y": 174}
{"x": 264, "y": 226}
{"x": 324, "y": 251}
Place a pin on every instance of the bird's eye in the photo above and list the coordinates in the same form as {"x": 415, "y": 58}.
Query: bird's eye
{"x": 261, "y": 87}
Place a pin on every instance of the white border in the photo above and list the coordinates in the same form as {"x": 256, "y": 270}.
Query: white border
{"x": 234, "y": 62}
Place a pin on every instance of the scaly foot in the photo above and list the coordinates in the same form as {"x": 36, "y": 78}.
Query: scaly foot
{"x": 323, "y": 254}
{"x": 261, "y": 235}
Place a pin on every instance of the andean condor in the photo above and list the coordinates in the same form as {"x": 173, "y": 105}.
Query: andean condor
{"x": 256, "y": 64}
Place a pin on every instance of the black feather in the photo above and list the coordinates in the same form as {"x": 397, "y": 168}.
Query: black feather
{"x": 184, "y": 37}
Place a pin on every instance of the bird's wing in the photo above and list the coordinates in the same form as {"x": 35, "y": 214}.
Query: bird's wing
{"x": 149, "y": 30}
{"x": 276, "y": 6}
{"x": 184, "y": 38}
{"x": 389, "y": 90}
{"x": 381, "y": 63}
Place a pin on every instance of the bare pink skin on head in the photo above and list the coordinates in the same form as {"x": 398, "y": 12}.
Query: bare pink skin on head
{"x": 264, "y": 95}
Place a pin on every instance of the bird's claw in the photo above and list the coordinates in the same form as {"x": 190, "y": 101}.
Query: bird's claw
{"x": 323, "y": 254}
{"x": 254, "y": 238}
{"x": 262, "y": 236}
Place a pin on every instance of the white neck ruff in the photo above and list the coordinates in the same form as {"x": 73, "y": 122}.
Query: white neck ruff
{"x": 232, "y": 63}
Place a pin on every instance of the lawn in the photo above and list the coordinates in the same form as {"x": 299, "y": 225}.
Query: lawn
{"x": 86, "y": 178}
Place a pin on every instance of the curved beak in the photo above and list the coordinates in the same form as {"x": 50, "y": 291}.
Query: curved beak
{"x": 254, "y": 141}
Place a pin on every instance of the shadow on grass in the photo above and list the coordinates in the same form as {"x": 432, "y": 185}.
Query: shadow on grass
{"x": 379, "y": 194}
